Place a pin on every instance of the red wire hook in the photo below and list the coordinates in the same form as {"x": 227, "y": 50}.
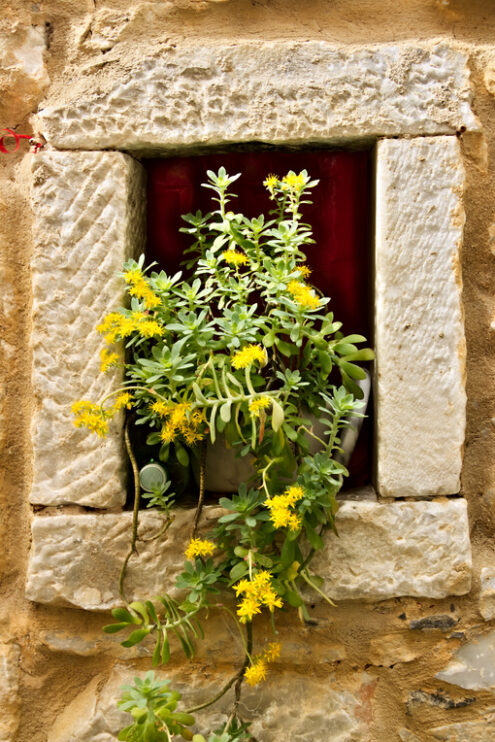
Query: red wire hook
{"x": 37, "y": 145}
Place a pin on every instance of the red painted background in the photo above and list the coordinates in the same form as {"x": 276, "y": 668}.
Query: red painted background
{"x": 339, "y": 215}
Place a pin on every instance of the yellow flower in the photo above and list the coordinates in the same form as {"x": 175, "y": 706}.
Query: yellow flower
{"x": 304, "y": 271}
{"x": 235, "y": 258}
{"x": 256, "y": 672}
{"x": 245, "y": 357}
{"x": 262, "y": 578}
{"x": 280, "y": 506}
{"x": 116, "y": 326}
{"x": 168, "y": 432}
{"x": 123, "y": 400}
{"x": 303, "y": 295}
{"x": 294, "y": 181}
{"x": 294, "y": 522}
{"x": 270, "y": 181}
{"x": 108, "y": 358}
{"x": 247, "y": 608}
{"x": 257, "y": 592}
{"x": 199, "y": 548}
{"x": 271, "y": 600}
{"x": 192, "y": 436}
{"x": 198, "y": 417}
{"x": 148, "y": 328}
{"x": 258, "y": 404}
{"x": 294, "y": 493}
{"x": 91, "y": 416}
{"x": 160, "y": 408}
{"x": 272, "y": 652}
{"x": 140, "y": 288}
{"x": 244, "y": 586}
{"x": 179, "y": 412}
{"x": 80, "y": 406}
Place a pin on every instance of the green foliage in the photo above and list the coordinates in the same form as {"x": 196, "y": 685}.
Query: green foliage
{"x": 247, "y": 349}
{"x": 153, "y": 707}
{"x": 172, "y": 618}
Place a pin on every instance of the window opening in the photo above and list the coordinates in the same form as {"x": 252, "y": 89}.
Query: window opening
{"x": 340, "y": 259}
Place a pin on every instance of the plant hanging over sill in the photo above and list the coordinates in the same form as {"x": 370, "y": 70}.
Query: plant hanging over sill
{"x": 245, "y": 349}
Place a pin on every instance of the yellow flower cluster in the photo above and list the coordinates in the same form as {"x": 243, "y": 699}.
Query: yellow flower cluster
{"x": 235, "y": 258}
{"x": 248, "y": 355}
{"x": 258, "y": 404}
{"x": 303, "y": 295}
{"x": 140, "y": 288}
{"x": 280, "y": 506}
{"x": 94, "y": 417}
{"x": 256, "y": 672}
{"x": 179, "y": 421}
{"x": 291, "y": 180}
{"x": 108, "y": 358}
{"x": 199, "y": 548}
{"x": 90, "y": 416}
{"x": 116, "y": 326}
{"x": 257, "y": 593}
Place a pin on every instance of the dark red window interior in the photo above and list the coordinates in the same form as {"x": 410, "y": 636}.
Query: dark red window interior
{"x": 339, "y": 215}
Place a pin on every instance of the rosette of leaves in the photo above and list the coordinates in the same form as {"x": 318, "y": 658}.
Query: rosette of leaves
{"x": 153, "y": 707}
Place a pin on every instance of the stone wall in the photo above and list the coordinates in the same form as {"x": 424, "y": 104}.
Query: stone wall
{"x": 407, "y": 654}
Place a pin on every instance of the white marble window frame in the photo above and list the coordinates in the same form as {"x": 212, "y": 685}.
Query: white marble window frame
{"x": 88, "y": 207}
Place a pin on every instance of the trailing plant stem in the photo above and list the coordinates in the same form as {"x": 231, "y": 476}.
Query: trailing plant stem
{"x": 135, "y": 512}
{"x": 201, "y": 497}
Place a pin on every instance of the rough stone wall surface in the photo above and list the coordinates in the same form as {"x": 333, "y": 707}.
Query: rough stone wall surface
{"x": 378, "y": 669}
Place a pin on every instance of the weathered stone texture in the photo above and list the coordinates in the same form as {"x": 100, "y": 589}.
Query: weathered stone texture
{"x": 487, "y": 593}
{"x": 398, "y": 548}
{"x": 477, "y": 730}
{"x": 23, "y": 72}
{"x": 278, "y": 92}
{"x": 419, "y": 324}
{"x": 415, "y": 548}
{"x": 473, "y": 665}
{"x": 325, "y": 712}
{"x": 76, "y": 559}
{"x": 88, "y": 219}
{"x": 9, "y": 685}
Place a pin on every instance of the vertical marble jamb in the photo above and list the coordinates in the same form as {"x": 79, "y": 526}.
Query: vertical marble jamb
{"x": 88, "y": 218}
{"x": 419, "y": 331}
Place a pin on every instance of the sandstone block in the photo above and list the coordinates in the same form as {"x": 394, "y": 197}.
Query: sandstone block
{"x": 87, "y": 220}
{"x": 23, "y": 73}
{"x": 280, "y": 91}
{"x": 384, "y": 551}
{"x": 325, "y": 712}
{"x": 477, "y": 730}
{"x": 9, "y": 684}
{"x": 487, "y": 593}
{"x": 419, "y": 331}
